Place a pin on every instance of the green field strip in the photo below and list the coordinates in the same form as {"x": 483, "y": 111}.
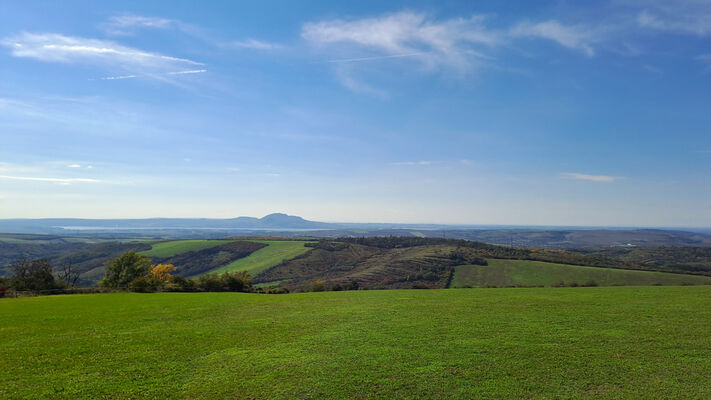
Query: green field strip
{"x": 503, "y": 273}
{"x": 173, "y": 247}
{"x": 266, "y": 257}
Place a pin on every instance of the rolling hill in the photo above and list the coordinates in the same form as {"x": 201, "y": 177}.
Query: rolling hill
{"x": 508, "y": 273}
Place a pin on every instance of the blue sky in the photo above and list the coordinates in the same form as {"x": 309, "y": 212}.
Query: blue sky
{"x": 489, "y": 112}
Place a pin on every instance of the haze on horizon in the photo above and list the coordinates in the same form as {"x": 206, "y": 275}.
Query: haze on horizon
{"x": 457, "y": 112}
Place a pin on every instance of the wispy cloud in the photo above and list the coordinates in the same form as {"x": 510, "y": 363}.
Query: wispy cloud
{"x": 127, "y": 24}
{"x": 347, "y": 79}
{"x": 680, "y": 16}
{"x": 51, "y": 47}
{"x": 361, "y": 59}
{"x": 74, "y": 166}
{"x": 451, "y": 43}
{"x": 574, "y": 37}
{"x": 254, "y": 44}
{"x": 593, "y": 178}
{"x": 53, "y": 180}
{"x": 119, "y": 77}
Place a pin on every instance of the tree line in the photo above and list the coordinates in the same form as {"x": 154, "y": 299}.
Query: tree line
{"x": 130, "y": 271}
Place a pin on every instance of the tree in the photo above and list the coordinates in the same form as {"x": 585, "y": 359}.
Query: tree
{"x": 67, "y": 275}
{"x": 125, "y": 269}
{"x": 162, "y": 272}
{"x": 32, "y": 275}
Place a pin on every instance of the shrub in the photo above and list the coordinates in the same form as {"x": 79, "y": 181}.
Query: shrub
{"x": 144, "y": 284}
{"x": 317, "y": 286}
{"x": 209, "y": 283}
{"x": 236, "y": 281}
{"x": 591, "y": 283}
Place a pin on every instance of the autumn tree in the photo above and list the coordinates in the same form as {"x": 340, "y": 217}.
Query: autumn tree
{"x": 162, "y": 272}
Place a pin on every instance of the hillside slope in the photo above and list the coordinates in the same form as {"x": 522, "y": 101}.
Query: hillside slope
{"x": 507, "y": 273}
{"x": 273, "y": 253}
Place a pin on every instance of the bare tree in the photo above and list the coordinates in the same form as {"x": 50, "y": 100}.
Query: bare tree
{"x": 68, "y": 274}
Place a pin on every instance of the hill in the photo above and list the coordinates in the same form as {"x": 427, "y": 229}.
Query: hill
{"x": 400, "y": 262}
{"x": 607, "y": 343}
{"x": 175, "y": 247}
{"x": 280, "y": 224}
{"x": 508, "y": 273}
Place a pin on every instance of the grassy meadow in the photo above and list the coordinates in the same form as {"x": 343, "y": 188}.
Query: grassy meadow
{"x": 506, "y": 273}
{"x": 598, "y": 342}
{"x": 171, "y": 248}
{"x": 266, "y": 257}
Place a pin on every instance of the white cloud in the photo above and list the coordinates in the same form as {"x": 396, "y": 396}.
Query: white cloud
{"x": 255, "y": 44}
{"x": 593, "y": 178}
{"x": 452, "y": 43}
{"x": 682, "y": 16}
{"x": 573, "y": 37}
{"x": 51, "y": 47}
{"x": 74, "y": 166}
{"x": 54, "y": 180}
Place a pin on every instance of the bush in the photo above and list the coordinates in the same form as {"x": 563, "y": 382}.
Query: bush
{"x": 144, "y": 284}
{"x": 209, "y": 283}
{"x": 317, "y": 286}
{"x": 180, "y": 284}
{"x": 236, "y": 281}
{"x": 4, "y": 287}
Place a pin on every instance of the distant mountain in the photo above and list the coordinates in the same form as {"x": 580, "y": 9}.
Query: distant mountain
{"x": 280, "y": 224}
{"x": 271, "y": 222}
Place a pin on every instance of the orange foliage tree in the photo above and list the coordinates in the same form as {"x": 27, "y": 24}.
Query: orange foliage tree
{"x": 162, "y": 272}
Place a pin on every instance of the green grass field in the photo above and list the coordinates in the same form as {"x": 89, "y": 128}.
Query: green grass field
{"x": 260, "y": 260}
{"x": 503, "y": 273}
{"x": 169, "y": 249}
{"x": 601, "y": 342}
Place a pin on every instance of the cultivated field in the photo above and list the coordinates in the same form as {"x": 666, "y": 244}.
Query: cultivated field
{"x": 505, "y": 273}
{"x": 600, "y": 342}
{"x": 266, "y": 257}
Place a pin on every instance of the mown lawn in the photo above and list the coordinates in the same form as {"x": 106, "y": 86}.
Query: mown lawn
{"x": 611, "y": 342}
{"x": 266, "y": 257}
{"x": 504, "y": 273}
{"x": 171, "y": 248}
